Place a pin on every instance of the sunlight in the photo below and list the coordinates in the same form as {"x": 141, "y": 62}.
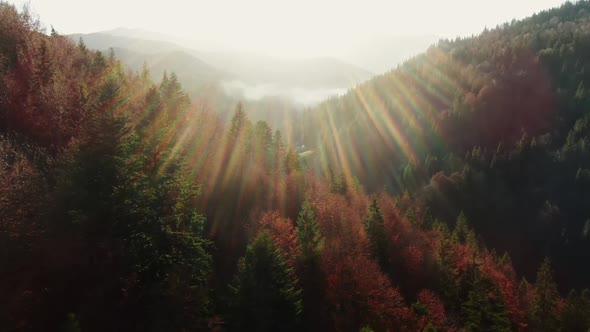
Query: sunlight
{"x": 295, "y": 166}
{"x": 287, "y": 29}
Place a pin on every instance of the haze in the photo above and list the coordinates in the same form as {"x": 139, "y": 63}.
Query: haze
{"x": 296, "y": 29}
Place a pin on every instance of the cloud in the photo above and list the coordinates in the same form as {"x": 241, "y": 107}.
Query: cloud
{"x": 300, "y": 96}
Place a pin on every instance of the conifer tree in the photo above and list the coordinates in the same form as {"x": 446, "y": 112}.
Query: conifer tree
{"x": 277, "y": 150}
{"x": 484, "y": 309}
{"x": 112, "y": 58}
{"x": 278, "y": 142}
{"x": 165, "y": 82}
{"x": 463, "y": 233}
{"x": 145, "y": 74}
{"x": 544, "y": 303}
{"x": 308, "y": 232}
{"x": 264, "y": 291}
{"x": 375, "y": 228}
{"x": 82, "y": 46}
{"x": 576, "y": 313}
{"x": 338, "y": 183}
{"x": 309, "y": 267}
{"x": 292, "y": 161}
{"x": 239, "y": 124}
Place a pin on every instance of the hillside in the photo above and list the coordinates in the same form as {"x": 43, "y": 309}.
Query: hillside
{"x": 102, "y": 41}
{"x": 125, "y": 205}
{"x": 159, "y": 56}
{"x": 191, "y": 71}
{"x": 302, "y": 73}
{"x": 494, "y": 126}
{"x": 252, "y": 69}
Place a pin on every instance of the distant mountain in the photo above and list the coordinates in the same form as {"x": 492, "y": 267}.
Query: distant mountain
{"x": 106, "y": 40}
{"x": 377, "y": 53}
{"x": 309, "y": 73}
{"x": 383, "y": 53}
{"x": 249, "y": 68}
{"x": 191, "y": 71}
{"x": 139, "y": 34}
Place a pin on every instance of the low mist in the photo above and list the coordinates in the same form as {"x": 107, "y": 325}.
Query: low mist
{"x": 299, "y": 96}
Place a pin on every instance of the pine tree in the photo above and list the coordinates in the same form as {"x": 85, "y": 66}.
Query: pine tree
{"x": 375, "y": 228}
{"x": 277, "y": 150}
{"x": 483, "y": 309}
{"x": 175, "y": 100}
{"x": 461, "y": 229}
{"x": 447, "y": 283}
{"x": 112, "y": 59}
{"x": 99, "y": 63}
{"x": 262, "y": 142}
{"x": 464, "y": 234}
{"x": 308, "y": 232}
{"x": 544, "y": 303}
{"x": 576, "y": 313}
{"x": 292, "y": 161}
{"x": 338, "y": 183}
{"x": 239, "y": 124}
{"x": 82, "y": 46}
{"x": 278, "y": 142}
{"x": 45, "y": 69}
{"x": 172, "y": 89}
{"x": 309, "y": 268}
{"x": 264, "y": 291}
{"x": 145, "y": 74}
{"x": 164, "y": 82}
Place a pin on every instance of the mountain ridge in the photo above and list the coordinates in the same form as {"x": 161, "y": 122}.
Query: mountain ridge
{"x": 325, "y": 72}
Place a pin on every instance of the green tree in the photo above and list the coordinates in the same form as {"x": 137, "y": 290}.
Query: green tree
{"x": 264, "y": 291}
{"x": 308, "y": 232}
{"x": 576, "y": 313}
{"x": 165, "y": 248}
{"x": 165, "y": 81}
{"x": 277, "y": 150}
{"x": 99, "y": 62}
{"x": 119, "y": 190}
{"x": 112, "y": 59}
{"x": 463, "y": 233}
{"x": 278, "y": 142}
{"x": 375, "y": 228}
{"x": 338, "y": 183}
{"x": 262, "y": 142}
{"x": 145, "y": 75}
{"x": 292, "y": 162}
{"x": 309, "y": 268}
{"x": 239, "y": 124}
{"x": 484, "y": 309}
{"x": 544, "y": 303}
{"x": 82, "y": 46}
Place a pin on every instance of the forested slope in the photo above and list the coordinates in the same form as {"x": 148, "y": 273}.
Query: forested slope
{"x": 123, "y": 206}
{"x": 494, "y": 125}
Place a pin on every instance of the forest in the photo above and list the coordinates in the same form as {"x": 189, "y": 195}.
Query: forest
{"x": 449, "y": 194}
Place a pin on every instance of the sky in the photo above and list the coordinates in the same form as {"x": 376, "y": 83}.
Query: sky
{"x": 299, "y": 28}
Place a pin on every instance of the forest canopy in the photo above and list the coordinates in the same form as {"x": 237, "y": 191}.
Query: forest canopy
{"x": 449, "y": 194}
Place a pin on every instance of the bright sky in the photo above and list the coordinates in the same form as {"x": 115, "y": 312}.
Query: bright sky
{"x": 296, "y": 27}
